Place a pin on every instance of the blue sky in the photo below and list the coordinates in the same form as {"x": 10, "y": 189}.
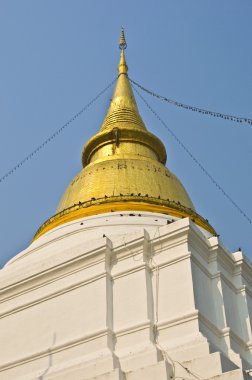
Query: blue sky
{"x": 58, "y": 54}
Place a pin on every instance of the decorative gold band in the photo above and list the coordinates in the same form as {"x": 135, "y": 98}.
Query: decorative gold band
{"x": 122, "y": 203}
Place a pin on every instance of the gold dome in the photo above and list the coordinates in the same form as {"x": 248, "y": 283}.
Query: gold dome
{"x": 123, "y": 167}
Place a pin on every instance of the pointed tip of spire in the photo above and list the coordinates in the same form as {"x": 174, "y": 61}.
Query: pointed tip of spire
{"x": 122, "y": 43}
{"x": 122, "y": 68}
{"x": 123, "y": 109}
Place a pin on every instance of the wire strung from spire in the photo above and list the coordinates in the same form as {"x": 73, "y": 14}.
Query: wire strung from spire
{"x": 55, "y": 134}
{"x": 220, "y": 188}
{"x": 237, "y": 119}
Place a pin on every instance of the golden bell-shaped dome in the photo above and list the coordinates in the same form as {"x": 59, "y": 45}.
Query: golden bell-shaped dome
{"x": 123, "y": 167}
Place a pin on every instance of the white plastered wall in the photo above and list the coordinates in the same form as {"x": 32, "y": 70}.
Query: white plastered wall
{"x": 114, "y": 294}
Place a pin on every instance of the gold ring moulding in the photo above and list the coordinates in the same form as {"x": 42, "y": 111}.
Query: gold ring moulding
{"x": 120, "y": 203}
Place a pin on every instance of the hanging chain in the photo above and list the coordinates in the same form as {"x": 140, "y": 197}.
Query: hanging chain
{"x": 237, "y": 119}
{"x": 55, "y": 134}
{"x": 194, "y": 159}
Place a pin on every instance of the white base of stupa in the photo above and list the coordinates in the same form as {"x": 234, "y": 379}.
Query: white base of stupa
{"x": 126, "y": 296}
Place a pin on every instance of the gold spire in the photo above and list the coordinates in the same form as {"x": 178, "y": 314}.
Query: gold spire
{"x": 123, "y": 108}
{"x": 123, "y": 167}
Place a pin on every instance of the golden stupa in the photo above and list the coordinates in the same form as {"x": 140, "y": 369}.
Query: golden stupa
{"x": 123, "y": 168}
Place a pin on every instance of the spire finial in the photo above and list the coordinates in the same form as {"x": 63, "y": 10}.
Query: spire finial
{"x": 122, "y": 43}
{"x": 122, "y": 68}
